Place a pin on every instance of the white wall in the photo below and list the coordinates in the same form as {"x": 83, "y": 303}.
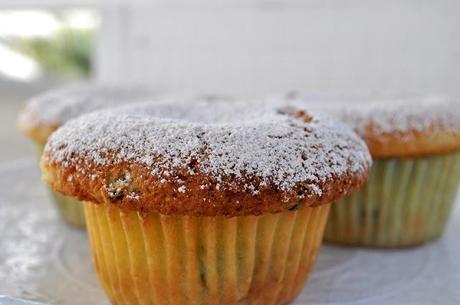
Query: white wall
{"x": 261, "y": 47}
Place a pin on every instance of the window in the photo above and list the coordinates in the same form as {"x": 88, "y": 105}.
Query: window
{"x": 42, "y": 44}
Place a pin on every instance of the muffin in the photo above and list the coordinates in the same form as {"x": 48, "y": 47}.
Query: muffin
{"x": 46, "y": 112}
{"x": 210, "y": 204}
{"x": 415, "y": 144}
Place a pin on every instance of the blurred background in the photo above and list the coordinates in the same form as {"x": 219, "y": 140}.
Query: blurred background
{"x": 246, "y": 48}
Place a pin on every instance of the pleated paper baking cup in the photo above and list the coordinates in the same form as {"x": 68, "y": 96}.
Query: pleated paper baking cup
{"x": 71, "y": 210}
{"x": 185, "y": 260}
{"x": 405, "y": 202}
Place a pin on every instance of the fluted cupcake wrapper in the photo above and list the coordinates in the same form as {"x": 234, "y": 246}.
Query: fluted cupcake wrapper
{"x": 405, "y": 202}
{"x": 185, "y": 260}
{"x": 71, "y": 210}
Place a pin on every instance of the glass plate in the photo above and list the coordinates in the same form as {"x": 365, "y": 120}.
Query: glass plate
{"x": 46, "y": 261}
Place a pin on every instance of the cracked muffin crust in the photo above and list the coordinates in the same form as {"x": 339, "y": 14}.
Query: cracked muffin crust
{"x": 210, "y": 159}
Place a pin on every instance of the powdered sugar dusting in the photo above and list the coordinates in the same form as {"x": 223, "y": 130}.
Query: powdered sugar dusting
{"x": 57, "y": 106}
{"x": 232, "y": 143}
{"x": 398, "y": 115}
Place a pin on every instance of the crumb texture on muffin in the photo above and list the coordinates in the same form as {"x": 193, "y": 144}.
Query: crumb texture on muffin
{"x": 398, "y": 127}
{"x": 207, "y": 159}
{"x": 46, "y": 112}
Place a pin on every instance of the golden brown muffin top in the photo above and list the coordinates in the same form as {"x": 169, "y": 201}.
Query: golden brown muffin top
{"x": 205, "y": 160}
{"x": 45, "y": 112}
{"x": 404, "y": 127}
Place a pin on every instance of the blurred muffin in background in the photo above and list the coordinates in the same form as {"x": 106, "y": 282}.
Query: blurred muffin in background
{"x": 46, "y": 112}
{"x": 415, "y": 144}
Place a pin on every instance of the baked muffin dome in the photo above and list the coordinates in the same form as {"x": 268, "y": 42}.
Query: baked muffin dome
{"x": 400, "y": 127}
{"x": 206, "y": 159}
{"x": 44, "y": 113}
